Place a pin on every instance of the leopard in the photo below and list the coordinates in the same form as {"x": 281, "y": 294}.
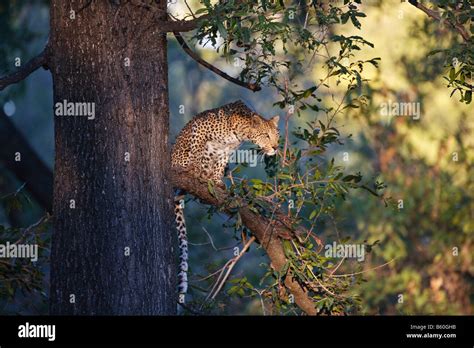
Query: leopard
{"x": 203, "y": 148}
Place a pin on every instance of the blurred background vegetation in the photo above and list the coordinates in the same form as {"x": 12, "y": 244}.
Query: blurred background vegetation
{"x": 423, "y": 260}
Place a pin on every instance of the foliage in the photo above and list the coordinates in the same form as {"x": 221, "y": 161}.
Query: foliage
{"x": 271, "y": 42}
{"x": 459, "y": 59}
{"x": 21, "y": 278}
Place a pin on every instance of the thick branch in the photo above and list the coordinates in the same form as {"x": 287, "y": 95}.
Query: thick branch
{"x": 435, "y": 15}
{"x": 268, "y": 232}
{"x": 252, "y": 86}
{"x": 39, "y": 61}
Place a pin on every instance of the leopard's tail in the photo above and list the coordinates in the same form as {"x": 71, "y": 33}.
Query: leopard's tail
{"x": 182, "y": 244}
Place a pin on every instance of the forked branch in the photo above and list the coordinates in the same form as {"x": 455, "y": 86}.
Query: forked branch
{"x": 229, "y": 266}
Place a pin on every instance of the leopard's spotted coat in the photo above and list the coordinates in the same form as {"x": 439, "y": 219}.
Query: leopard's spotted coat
{"x": 203, "y": 148}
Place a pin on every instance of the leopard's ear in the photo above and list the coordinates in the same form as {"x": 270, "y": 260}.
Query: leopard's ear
{"x": 256, "y": 120}
{"x": 275, "y": 120}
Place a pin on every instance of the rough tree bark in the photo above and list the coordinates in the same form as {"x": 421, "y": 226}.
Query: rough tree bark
{"x": 119, "y": 204}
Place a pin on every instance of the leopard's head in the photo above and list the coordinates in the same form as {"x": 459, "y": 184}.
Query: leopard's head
{"x": 264, "y": 133}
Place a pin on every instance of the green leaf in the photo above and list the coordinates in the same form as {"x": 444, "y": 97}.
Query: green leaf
{"x": 222, "y": 30}
{"x": 452, "y": 73}
{"x": 285, "y": 176}
{"x": 201, "y": 10}
{"x": 210, "y": 188}
{"x": 468, "y": 97}
{"x": 288, "y": 248}
{"x": 246, "y": 34}
{"x": 309, "y": 91}
{"x": 355, "y": 178}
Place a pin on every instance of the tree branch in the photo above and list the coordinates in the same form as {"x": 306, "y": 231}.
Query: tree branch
{"x": 268, "y": 232}
{"x": 39, "y": 61}
{"x": 251, "y": 86}
{"x": 181, "y": 25}
{"x": 435, "y": 15}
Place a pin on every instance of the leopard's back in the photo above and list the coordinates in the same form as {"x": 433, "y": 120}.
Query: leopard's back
{"x": 221, "y": 128}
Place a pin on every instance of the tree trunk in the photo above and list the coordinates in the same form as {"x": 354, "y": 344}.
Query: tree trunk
{"x": 113, "y": 246}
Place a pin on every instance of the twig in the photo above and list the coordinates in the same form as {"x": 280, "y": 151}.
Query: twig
{"x": 338, "y": 265}
{"x": 322, "y": 285}
{"x": 268, "y": 226}
{"x": 251, "y": 86}
{"x": 231, "y": 265}
{"x": 364, "y": 271}
{"x": 27, "y": 230}
{"x": 211, "y": 241}
{"x": 260, "y": 292}
{"x": 39, "y": 61}
{"x": 287, "y": 120}
{"x": 189, "y": 8}
{"x": 212, "y": 274}
{"x": 14, "y": 194}
{"x": 221, "y": 272}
